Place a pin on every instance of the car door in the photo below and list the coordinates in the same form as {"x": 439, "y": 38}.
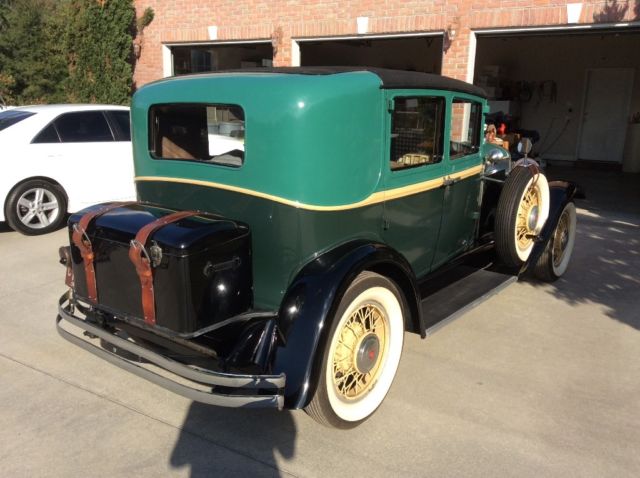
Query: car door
{"x": 463, "y": 180}
{"x": 413, "y": 177}
{"x": 83, "y": 148}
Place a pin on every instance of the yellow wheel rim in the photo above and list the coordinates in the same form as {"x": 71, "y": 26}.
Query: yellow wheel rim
{"x": 527, "y": 217}
{"x": 360, "y": 351}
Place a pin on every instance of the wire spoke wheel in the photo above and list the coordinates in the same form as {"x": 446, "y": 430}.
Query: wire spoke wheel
{"x": 527, "y": 217}
{"x": 362, "y": 352}
{"x": 522, "y": 210}
{"x": 359, "y": 351}
{"x": 561, "y": 238}
{"x": 554, "y": 261}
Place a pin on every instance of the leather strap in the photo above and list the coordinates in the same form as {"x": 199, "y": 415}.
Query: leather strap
{"x": 65, "y": 259}
{"x": 81, "y": 239}
{"x": 140, "y": 258}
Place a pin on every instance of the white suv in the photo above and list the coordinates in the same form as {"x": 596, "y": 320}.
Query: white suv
{"x": 56, "y": 159}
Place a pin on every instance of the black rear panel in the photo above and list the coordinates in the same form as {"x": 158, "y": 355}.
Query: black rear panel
{"x": 203, "y": 275}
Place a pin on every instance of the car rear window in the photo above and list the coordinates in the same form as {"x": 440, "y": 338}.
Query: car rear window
{"x": 124, "y": 123}
{"x": 11, "y": 117}
{"x": 210, "y": 133}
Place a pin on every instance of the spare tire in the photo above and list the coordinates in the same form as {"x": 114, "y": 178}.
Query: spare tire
{"x": 523, "y": 208}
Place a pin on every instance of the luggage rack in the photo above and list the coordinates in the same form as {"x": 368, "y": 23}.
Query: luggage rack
{"x": 195, "y": 383}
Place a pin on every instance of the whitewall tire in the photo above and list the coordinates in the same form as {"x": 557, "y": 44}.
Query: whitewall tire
{"x": 555, "y": 259}
{"x": 362, "y": 353}
{"x": 523, "y": 209}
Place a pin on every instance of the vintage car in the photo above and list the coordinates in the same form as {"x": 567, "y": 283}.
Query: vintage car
{"x": 293, "y": 223}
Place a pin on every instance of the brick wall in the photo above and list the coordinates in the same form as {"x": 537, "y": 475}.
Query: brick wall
{"x": 187, "y": 21}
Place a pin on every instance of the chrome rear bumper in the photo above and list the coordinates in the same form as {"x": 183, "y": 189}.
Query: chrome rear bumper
{"x": 198, "y": 384}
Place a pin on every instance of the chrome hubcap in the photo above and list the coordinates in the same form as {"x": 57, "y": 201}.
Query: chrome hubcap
{"x": 37, "y": 208}
{"x": 367, "y": 355}
{"x": 533, "y": 218}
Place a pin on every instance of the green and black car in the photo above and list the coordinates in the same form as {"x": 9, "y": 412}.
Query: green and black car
{"x": 293, "y": 223}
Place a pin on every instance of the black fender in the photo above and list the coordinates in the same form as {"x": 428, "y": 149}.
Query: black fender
{"x": 310, "y": 303}
{"x": 560, "y": 194}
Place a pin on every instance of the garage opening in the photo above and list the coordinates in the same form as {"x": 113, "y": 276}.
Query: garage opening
{"x": 416, "y": 53}
{"x": 202, "y": 58}
{"x": 573, "y": 93}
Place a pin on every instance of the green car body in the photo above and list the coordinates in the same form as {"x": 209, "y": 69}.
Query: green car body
{"x": 350, "y": 205}
{"x": 316, "y": 171}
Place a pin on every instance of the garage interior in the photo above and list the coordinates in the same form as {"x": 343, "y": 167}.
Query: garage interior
{"x": 578, "y": 91}
{"x": 212, "y": 57}
{"x": 415, "y": 53}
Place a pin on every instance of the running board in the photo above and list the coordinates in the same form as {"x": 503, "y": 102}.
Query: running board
{"x": 447, "y": 304}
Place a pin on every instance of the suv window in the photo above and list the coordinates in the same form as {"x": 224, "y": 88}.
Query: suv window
{"x": 416, "y": 131}
{"x": 11, "y": 117}
{"x": 123, "y": 123}
{"x": 466, "y": 120}
{"x": 83, "y": 127}
{"x": 198, "y": 132}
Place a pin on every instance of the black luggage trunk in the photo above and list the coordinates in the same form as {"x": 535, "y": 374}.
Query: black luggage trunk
{"x": 201, "y": 276}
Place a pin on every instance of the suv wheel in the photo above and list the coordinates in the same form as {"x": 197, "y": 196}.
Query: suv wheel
{"x": 362, "y": 353}
{"x": 36, "y": 207}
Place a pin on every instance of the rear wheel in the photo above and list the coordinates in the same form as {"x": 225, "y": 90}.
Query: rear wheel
{"x": 522, "y": 210}
{"x": 362, "y": 354}
{"x": 36, "y": 207}
{"x": 554, "y": 261}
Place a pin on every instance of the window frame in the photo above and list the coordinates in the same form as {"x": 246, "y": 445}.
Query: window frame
{"x": 471, "y": 101}
{"x": 60, "y": 140}
{"x": 17, "y": 115}
{"x": 49, "y": 124}
{"x": 119, "y": 135}
{"x": 440, "y": 129}
{"x": 151, "y": 135}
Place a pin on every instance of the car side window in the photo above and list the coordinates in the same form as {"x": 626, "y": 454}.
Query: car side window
{"x": 123, "y": 123}
{"x": 416, "y": 131}
{"x": 83, "y": 127}
{"x": 47, "y": 135}
{"x": 466, "y": 121}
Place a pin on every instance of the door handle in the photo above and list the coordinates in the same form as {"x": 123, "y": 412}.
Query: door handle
{"x": 448, "y": 181}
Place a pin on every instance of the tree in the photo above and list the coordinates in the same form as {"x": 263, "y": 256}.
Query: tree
{"x": 98, "y": 44}
{"x": 32, "y": 72}
{"x": 4, "y": 8}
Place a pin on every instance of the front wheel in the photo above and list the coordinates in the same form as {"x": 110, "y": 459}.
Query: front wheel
{"x": 554, "y": 261}
{"x": 362, "y": 353}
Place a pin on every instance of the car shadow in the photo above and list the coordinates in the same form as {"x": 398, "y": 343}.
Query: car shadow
{"x": 605, "y": 266}
{"x": 217, "y": 441}
{"x": 4, "y": 227}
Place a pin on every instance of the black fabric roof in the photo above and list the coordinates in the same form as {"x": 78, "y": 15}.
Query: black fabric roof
{"x": 390, "y": 78}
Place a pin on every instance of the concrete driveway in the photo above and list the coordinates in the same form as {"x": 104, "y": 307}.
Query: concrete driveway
{"x": 540, "y": 380}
